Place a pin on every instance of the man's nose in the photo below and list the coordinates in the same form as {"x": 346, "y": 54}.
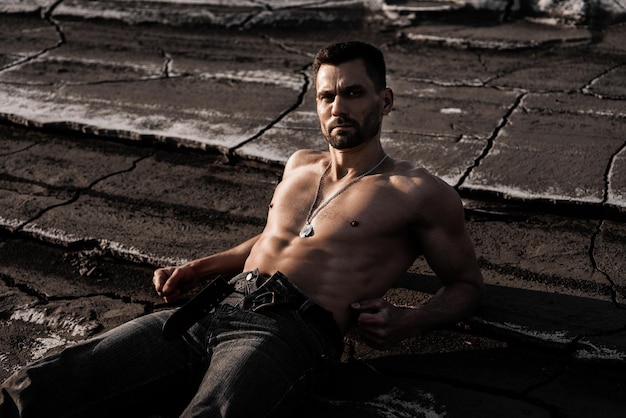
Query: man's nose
{"x": 339, "y": 106}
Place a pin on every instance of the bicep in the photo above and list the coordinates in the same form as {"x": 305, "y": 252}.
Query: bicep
{"x": 446, "y": 244}
{"x": 450, "y": 254}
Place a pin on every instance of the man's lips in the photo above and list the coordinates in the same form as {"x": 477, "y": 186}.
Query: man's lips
{"x": 342, "y": 126}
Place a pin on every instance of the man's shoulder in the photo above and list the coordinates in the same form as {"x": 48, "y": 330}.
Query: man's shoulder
{"x": 422, "y": 187}
{"x": 414, "y": 176}
{"x": 303, "y": 158}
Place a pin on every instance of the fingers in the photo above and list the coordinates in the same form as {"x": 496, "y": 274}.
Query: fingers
{"x": 376, "y": 337}
{"x": 375, "y": 319}
{"x": 370, "y": 305}
{"x": 163, "y": 283}
{"x": 159, "y": 278}
{"x": 377, "y": 323}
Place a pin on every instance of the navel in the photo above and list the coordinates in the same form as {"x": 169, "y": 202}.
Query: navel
{"x": 354, "y": 224}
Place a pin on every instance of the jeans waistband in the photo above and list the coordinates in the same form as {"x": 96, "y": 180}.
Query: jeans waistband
{"x": 278, "y": 291}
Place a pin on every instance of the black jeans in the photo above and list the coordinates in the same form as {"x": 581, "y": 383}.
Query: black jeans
{"x": 246, "y": 359}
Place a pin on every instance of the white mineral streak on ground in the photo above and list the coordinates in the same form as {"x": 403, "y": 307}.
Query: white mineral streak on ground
{"x": 3, "y": 363}
{"x": 560, "y": 337}
{"x": 616, "y": 197}
{"x": 45, "y": 344}
{"x": 451, "y": 111}
{"x": 53, "y": 235}
{"x": 39, "y": 108}
{"x": 133, "y": 253}
{"x": 603, "y": 113}
{"x": 230, "y": 3}
{"x": 271, "y": 77}
{"x": 126, "y": 252}
{"x": 39, "y": 316}
{"x": 591, "y": 351}
{"x": 7, "y": 364}
{"x": 393, "y": 405}
{"x": 571, "y": 9}
{"x": 10, "y": 223}
{"x": 476, "y": 43}
{"x": 58, "y": 236}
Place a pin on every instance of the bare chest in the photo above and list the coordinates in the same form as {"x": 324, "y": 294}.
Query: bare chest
{"x": 368, "y": 208}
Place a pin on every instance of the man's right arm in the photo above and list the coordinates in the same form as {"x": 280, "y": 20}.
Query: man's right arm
{"x": 172, "y": 282}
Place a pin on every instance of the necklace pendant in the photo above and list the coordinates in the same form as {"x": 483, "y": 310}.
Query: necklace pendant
{"x": 306, "y": 231}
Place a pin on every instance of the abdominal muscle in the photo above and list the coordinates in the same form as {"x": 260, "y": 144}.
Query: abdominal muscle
{"x": 331, "y": 272}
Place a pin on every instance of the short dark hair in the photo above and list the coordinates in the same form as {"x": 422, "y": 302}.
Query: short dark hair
{"x": 342, "y": 52}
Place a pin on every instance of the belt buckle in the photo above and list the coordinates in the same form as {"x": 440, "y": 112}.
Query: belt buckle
{"x": 263, "y": 300}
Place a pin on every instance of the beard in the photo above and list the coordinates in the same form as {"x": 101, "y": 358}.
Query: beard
{"x": 344, "y": 139}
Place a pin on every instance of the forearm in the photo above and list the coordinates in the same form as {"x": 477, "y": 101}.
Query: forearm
{"x": 226, "y": 263}
{"x": 451, "y": 304}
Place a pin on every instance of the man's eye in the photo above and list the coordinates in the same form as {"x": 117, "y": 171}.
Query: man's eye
{"x": 326, "y": 97}
{"x": 354, "y": 93}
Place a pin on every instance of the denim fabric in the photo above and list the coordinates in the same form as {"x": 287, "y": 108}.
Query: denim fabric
{"x": 231, "y": 363}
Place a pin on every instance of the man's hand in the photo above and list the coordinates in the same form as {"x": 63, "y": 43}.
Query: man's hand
{"x": 382, "y": 324}
{"x": 172, "y": 282}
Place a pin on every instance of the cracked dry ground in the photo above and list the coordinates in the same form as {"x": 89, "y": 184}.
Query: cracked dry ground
{"x": 86, "y": 218}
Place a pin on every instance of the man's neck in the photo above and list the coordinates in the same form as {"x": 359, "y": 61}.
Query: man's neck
{"x": 355, "y": 161}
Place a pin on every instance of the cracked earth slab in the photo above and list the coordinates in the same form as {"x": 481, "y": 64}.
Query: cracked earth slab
{"x": 64, "y": 164}
{"x": 553, "y": 251}
{"x": 49, "y": 300}
{"x": 72, "y": 196}
{"x": 35, "y": 36}
{"x": 57, "y": 273}
{"x": 132, "y": 229}
{"x": 539, "y": 382}
{"x": 539, "y": 134}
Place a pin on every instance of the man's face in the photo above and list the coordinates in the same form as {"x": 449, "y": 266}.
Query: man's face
{"x": 348, "y": 106}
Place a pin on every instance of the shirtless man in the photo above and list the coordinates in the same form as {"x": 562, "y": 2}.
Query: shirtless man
{"x": 366, "y": 238}
{"x": 343, "y": 225}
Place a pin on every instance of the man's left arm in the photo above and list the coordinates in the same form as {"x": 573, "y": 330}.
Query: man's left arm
{"x": 450, "y": 253}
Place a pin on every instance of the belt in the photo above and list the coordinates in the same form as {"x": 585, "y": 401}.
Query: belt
{"x": 197, "y": 307}
{"x": 276, "y": 291}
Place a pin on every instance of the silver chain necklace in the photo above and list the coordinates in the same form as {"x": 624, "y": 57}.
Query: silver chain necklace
{"x": 307, "y": 229}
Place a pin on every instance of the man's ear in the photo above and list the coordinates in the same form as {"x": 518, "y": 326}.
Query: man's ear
{"x": 388, "y": 101}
